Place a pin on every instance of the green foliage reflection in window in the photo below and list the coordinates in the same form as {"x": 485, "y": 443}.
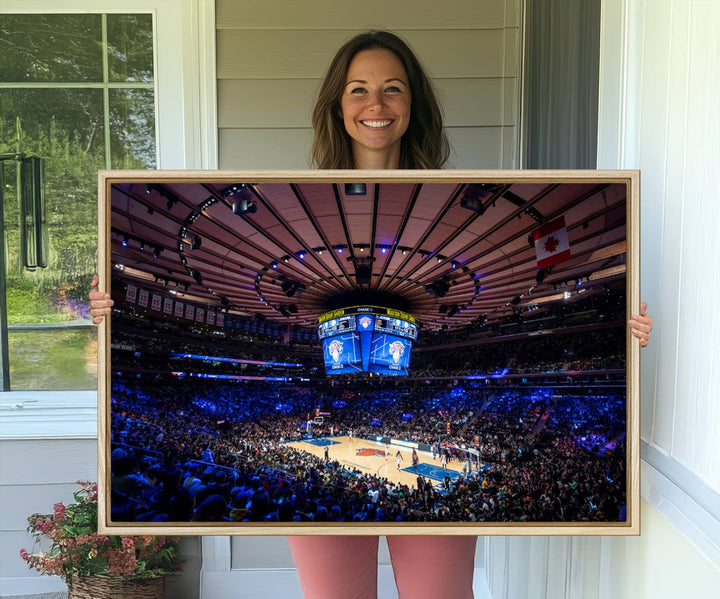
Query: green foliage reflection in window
{"x": 79, "y": 91}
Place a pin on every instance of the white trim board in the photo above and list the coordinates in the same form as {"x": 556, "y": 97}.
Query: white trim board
{"x": 679, "y": 494}
{"x": 42, "y": 415}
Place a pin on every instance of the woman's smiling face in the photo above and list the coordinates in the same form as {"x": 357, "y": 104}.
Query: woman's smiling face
{"x": 375, "y": 108}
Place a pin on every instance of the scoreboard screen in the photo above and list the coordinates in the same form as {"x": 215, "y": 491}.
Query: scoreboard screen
{"x": 367, "y": 339}
{"x": 396, "y": 326}
{"x": 389, "y": 354}
{"x": 342, "y": 354}
{"x": 336, "y": 326}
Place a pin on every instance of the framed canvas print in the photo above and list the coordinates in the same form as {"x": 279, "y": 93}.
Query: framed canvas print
{"x": 390, "y": 352}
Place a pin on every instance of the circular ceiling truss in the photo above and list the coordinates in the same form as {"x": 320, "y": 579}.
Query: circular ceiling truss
{"x": 452, "y": 253}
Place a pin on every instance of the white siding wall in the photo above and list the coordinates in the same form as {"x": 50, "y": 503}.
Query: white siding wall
{"x": 660, "y": 84}
{"x": 272, "y": 56}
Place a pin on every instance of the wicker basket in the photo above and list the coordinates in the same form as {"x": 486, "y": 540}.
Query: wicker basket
{"x": 116, "y": 587}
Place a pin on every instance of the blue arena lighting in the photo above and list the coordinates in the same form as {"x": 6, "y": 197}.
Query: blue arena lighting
{"x": 234, "y": 360}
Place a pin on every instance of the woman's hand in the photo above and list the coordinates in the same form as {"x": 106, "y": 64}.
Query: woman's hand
{"x": 641, "y": 325}
{"x": 100, "y": 303}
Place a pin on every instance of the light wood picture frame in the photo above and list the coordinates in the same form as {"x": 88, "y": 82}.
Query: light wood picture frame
{"x": 222, "y": 412}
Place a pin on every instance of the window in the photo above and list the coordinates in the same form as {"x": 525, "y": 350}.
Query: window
{"x": 77, "y": 90}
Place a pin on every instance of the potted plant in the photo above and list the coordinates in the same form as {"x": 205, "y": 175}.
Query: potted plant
{"x": 95, "y": 565}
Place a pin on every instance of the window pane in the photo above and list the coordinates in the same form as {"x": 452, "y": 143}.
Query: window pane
{"x": 53, "y": 121}
{"x": 38, "y": 48}
{"x": 65, "y": 127}
{"x": 53, "y": 359}
{"x": 130, "y": 47}
{"x": 132, "y": 128}
{"x": 51, "y": 344}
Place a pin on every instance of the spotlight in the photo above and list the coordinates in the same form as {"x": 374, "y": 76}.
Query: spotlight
{"x": 355, "y": 189}
{"x": 231, "y": 190}
{"x": 196, "y": 242}
{"x": 363, "y": 274}
{"x": 125, "y": 241}
{"x": 301, "y": 255}
{"x": 438, "y": 288}
{"x": 157, "y": 251}
{"x": 454, "y": 264}
{"x": 148, "y": 189}
{"x": 274, "y": 265}
{"x": 383, "y": 250}
{"x": 244, "y": 206}
{"x": 289, "y": 287}
{"x": 473, "y": 197}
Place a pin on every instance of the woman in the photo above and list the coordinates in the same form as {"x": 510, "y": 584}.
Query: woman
{"x": 377, "y": 110}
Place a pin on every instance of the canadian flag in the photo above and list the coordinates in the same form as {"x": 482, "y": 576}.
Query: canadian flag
{"x": 551, "y": 243}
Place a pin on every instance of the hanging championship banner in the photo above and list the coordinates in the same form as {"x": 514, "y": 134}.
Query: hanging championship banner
{"x": 156, "y": 302}
{"x": 143, "y": 298}
{"x": 167, "y": 305}
{"x": 131, "y": 294}
{"x": 190, "y": 312}
{"x": 210, "y": 317}
{"x": 221, "y": 320}
{"x": 199, "y": 315}
{"x": 179, "y": 309}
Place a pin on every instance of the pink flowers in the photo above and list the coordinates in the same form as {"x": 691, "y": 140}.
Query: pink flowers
{"x": 59, "y": 512}
{"x": 43, "y": 525}
{"x": 128, "y": 543}
{"x": 121, "y": 562}
{"x": 77, "y": 550}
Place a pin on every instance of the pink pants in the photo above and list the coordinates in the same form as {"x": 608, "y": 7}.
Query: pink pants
{"x": 345, "y": 567}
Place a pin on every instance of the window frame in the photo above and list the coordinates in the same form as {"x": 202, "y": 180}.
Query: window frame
{"x": 186, "y": 138}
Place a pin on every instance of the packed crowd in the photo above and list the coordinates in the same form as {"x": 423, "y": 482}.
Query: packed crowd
{"x": 217, "y": 452}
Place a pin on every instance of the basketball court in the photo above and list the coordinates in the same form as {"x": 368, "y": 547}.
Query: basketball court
{"x": 369, "y": 457}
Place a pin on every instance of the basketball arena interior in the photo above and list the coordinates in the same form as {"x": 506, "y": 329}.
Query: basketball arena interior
{"x": 379, "y": 352}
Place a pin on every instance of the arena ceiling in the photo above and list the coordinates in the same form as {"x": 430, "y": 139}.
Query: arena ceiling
{"x": 448, "y": 252}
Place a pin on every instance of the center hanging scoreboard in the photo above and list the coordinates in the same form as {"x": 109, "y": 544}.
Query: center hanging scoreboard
{"x": 367, "y": 339}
